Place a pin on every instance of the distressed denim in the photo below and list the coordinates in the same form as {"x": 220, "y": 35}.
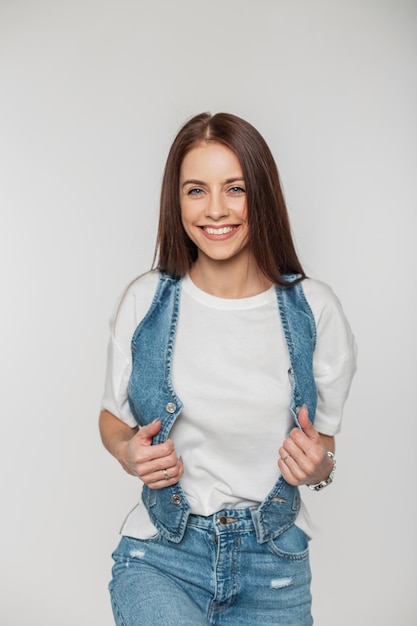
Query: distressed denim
{"x": 219, "y": 574}
{"x": 237, "y": 567}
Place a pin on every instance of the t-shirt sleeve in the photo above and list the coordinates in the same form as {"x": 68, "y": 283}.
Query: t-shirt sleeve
{"x": 334, "y": 360}
{"x": 116, "y": 382}
{"x": 129, "y": 311}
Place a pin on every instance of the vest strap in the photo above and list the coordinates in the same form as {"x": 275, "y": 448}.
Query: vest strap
{"x": 151, "y": 395}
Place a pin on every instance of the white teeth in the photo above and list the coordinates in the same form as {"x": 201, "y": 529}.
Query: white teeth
{"x": 219, "y": 231}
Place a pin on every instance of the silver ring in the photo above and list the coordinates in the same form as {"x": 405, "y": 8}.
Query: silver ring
{"x": 287, "y": 457}
{"x": 165, "y": 474}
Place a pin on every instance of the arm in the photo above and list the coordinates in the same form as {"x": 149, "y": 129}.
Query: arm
{"x": 334, "y": 364}
{"x": 133, "y": 448}
{"x": 303, "y": 455}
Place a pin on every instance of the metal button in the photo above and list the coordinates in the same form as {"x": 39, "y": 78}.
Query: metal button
{"x": 176, "y": 498}
{"x": 170, "y": 407}
{"x": 223, "y": 520}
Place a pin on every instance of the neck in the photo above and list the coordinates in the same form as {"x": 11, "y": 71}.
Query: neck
{"x": 231, "y": 279}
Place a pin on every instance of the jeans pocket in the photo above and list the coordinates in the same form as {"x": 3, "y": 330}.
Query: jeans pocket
{"x": 130, "y": 548}
{"x": 292, "y": 544}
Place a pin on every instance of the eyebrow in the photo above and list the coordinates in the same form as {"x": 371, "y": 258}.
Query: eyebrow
{"x": 193, "y": 181}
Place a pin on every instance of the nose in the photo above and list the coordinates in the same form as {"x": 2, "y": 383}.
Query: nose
{"x": 216, "y": 207}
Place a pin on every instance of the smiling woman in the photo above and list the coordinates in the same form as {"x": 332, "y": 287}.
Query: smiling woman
{"x": 267, "y": 218}
{"x": 227, "y": 374}
{"x": 214, "y": 208}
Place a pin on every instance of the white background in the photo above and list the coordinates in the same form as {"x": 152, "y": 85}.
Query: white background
{"x": 92, "y": 94}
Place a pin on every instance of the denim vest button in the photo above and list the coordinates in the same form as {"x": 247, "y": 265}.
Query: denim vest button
{"x": 170, "y": 407}
{"x": 176, "y": 498}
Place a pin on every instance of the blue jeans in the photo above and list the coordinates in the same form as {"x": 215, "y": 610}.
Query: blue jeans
{"x": 218, "y": 574}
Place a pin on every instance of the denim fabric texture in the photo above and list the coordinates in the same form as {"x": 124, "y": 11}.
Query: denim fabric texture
{"x": 151, "y": 395}
{"x": 244, "y": 566}
{"x": 218, "y": 574}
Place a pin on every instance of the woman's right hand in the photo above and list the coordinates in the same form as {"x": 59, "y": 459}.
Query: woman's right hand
{"x": 156, "y": 465}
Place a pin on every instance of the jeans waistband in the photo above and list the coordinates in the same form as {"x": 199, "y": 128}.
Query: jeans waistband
{"x": 224, "y": 521}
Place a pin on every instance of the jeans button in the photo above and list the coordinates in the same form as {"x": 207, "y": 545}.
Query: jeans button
{"x": 223, "y": 520}
{"x": 170, "y": 407}
{"x": 176, "y": 498}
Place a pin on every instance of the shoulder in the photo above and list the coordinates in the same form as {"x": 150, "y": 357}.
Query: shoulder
{"x": 335, "y": 339}
{"x": 134, "y": 303}
{"x": 142, "y": 285}
{"x": 321, "y": 298}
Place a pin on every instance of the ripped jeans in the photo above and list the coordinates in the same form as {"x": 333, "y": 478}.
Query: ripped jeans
{"x": 219, "y": 574}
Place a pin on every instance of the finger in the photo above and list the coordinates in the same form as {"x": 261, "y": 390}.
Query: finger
{"x": 165, "y": 477}
{"x": 148, "y": 432}
{"x": 304, "y": 439}
{"x": 284, "y": 453}
{"x": 286, "y": 471}
{"x": 157, "y": 453}
{"x": 306, "y": 424}
{"x": 307, "y": 463}
{"x": 295, "y": 446}
{"x": 150, "y": 466}
{"x": 293, "y": 473}
{"x": 293, "y": 457}
{"x": 165, "y": 474}
{"x": 284, "y": 458}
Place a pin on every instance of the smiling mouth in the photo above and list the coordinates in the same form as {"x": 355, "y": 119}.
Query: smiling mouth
{"x": 225, "y": 230}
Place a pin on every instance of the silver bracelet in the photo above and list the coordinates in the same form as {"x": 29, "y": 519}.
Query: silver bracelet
{"x": 323, "y": 483}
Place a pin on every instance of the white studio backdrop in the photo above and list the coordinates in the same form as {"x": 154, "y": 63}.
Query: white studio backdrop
{"x": 91, "y": 94}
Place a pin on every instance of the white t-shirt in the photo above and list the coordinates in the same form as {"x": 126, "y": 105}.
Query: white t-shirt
{"x": 230, "y": 370}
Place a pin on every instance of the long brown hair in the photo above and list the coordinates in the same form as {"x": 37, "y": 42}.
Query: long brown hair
{"x": 270, "y": 235}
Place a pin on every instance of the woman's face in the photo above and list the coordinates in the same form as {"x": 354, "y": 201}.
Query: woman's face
{"x": 213, "y": 202}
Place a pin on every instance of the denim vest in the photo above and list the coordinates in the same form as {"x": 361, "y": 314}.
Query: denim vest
{"x": 151, "y": 395}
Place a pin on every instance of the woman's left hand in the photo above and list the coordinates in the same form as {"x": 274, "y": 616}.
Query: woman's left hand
{"x": 303, "y": 455}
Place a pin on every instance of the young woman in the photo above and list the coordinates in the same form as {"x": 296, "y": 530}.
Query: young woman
{"x": 227, "y": 374}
